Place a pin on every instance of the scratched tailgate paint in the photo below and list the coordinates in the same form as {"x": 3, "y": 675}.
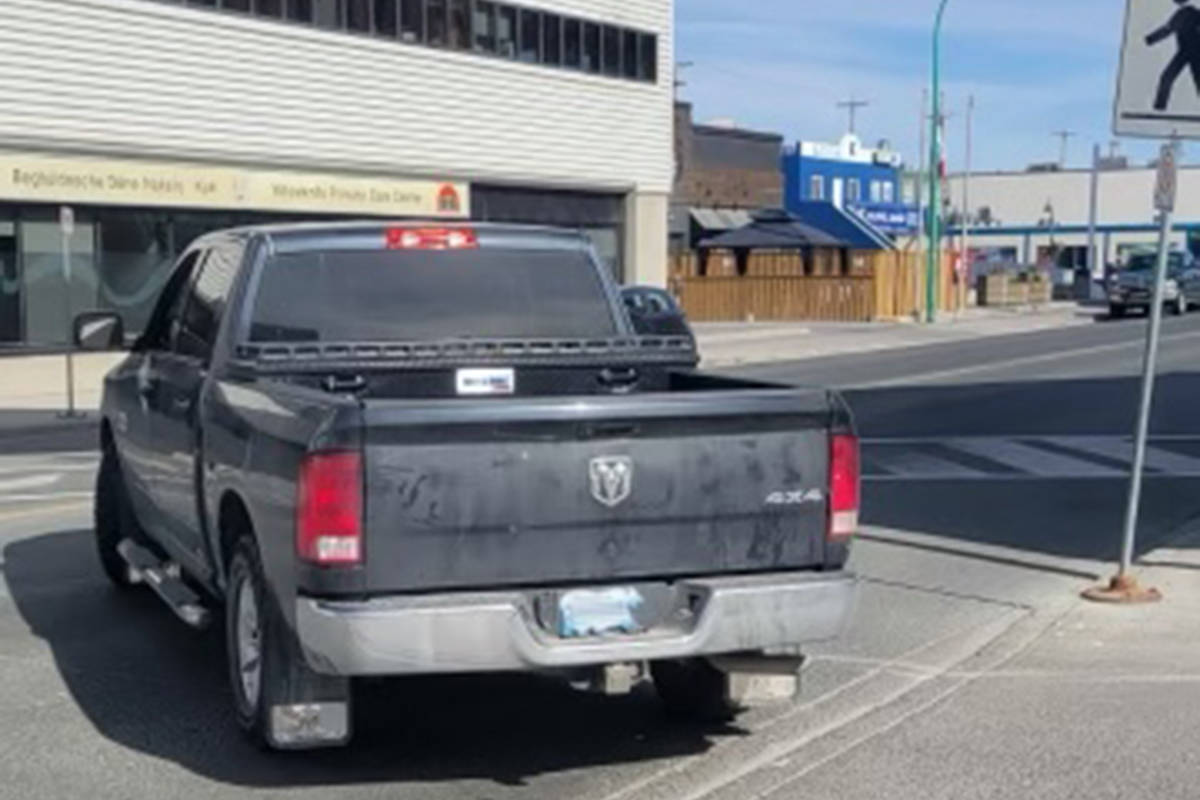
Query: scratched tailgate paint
{"x": 521, "y": 492}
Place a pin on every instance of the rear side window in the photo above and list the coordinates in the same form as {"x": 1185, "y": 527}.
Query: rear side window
{"x": 416, "y": 295}
{"x": 206, "y": 301}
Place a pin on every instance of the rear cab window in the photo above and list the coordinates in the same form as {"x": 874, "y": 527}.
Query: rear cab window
{"x": 414, "y": 295}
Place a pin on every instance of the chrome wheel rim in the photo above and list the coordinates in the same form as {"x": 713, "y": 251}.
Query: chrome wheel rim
{"x": 249, "y": 643}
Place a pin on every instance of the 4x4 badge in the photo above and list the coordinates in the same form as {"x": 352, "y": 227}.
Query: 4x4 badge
{"x": 611, "y": 479}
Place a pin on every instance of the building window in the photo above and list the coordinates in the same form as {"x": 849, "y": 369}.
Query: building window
{"x": 612, "y": 51}
{"x": 629, "y": 54}
{"x": 853, "y": 190}
{"x": 412, "y": 20}
{"x": 531, "y": 37}
{"x": 358, "y": 16}
{"x": 889, "y": 192}
{"x": 485, "y": 27}
{"x": 551, "y": 39}
{"x": 876, "y": 192}
{"x": 571, "y": 43}
{"x": 648, "y": 64}
{"x": 482, "y": 26}
{"x": 300, "y": 10}
{"x": 816, "y": 188}
{"x": 460, "y": 24}
{"x": 387, "y": 18}
{"x": 435, "y": 22}
{"x": 506, "y": 32}
{"x": 327, "y": 14}
{"x": 591, "y": 47}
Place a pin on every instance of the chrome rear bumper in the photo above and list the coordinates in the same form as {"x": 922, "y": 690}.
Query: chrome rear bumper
{"x": 498, "y": 631}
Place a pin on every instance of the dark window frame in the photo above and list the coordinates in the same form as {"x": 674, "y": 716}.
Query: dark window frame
{"x": 563, "y": 41}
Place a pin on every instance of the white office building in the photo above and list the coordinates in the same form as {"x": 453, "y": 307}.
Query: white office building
{"x": 1041, "y": 218}
{"x": 157, "y": 120}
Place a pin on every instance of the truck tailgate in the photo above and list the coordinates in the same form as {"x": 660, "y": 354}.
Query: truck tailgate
{"x": 535, "y": 491}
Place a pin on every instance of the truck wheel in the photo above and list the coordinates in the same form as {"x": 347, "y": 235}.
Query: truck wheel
{"x": 693, "y": 689}
{"x": 113, "y": 518}
{"x": 1116, "y": 311}
{"x": 266, "y": 669}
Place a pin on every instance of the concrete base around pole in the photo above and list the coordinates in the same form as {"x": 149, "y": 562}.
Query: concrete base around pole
{"x": 1123, "y": 589}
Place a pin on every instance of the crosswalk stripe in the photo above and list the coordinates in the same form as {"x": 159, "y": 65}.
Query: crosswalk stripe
{"x": 28, "y": 482}
{"x": 1122, "y": 450}
{"x": 1031, "y": 460}
{"x": 904, "y": 461}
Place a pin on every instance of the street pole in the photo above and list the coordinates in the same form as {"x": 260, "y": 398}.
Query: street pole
{"x": 920, "y": 193}
{"x": 1124, "y": 587}
{"x": 966, "y": 211}
{"x": 1093, "y": 211}
{"x": 67, "y": 228}
{"x": 933, "y": 257}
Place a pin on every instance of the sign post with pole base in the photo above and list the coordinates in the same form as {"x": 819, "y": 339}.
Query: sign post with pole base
{"x": 66, "y": 224}
{"x": 1124, "y": 587}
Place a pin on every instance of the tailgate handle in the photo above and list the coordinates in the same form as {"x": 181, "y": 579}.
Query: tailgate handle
{"x": 618, "y": 379}
{"x": 610, "y": 430}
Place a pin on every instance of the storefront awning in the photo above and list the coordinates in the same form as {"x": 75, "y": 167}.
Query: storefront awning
{"x": 720, "y": 219}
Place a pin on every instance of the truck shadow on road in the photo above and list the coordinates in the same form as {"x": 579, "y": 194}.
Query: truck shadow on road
{"x": 148, "y": 683}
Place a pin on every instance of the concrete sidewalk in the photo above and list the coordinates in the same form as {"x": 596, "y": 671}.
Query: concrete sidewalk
{"x": 725, "y": 344}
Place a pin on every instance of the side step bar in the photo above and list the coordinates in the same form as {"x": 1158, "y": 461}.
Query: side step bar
{"x": 164, "y": 578}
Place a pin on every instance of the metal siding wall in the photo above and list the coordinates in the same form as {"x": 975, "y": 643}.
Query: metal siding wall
{"x": 137, "y": 77}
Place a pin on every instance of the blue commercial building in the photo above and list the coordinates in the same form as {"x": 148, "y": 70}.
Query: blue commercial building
{"x": 863, "y": 181}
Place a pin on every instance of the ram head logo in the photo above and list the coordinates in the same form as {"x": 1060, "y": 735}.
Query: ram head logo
{"x": 611, "y": 479}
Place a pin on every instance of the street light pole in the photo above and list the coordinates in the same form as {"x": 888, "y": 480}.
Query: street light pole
{"x": 933, "y": 257}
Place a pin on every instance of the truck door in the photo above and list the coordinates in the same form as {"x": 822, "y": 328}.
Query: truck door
{"x": 136, "y": 390}
{"x": 174, "y": 419}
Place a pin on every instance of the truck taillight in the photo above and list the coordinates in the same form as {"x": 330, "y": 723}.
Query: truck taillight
{"x": 843, "y": 486}
{"x": 431, "y": 239}
{"x": 329, "y": 509}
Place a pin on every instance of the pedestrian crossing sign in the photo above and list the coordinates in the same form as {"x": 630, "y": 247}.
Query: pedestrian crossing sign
{"x": 1158, "y": 86}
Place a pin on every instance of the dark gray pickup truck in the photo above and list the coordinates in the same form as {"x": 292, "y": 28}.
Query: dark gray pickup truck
{"x": 395, "y": 449}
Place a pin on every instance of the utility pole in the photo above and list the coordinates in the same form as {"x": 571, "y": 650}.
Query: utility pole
{"x": 1095, "y": 272}
{"x": 680, "y": 66}
{"x": 853, "y": 106}
{"x": 1064, "y": 137}
{"x": 922, "y": 118}
{"x": 966, "y": 209}
{"x": 933, "y": 257}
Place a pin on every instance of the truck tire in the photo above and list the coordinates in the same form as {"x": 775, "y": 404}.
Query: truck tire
{"x": 693, "y": 689}
{"x": 113, "y": 519}
{"x": 1116, "y": 310}
{"x": 266, "y": 668}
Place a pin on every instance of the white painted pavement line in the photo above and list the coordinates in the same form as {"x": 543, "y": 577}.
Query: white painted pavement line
{"x": 29, "y": 482}
{"x": 903, "y": 462}
{"x": 43, "y": 496}
{"x": 995, "y": 366}
{"x": 1122, "y": 450}
{"x": 1032, "y": 460}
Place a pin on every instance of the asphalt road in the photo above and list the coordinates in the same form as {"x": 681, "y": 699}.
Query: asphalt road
{"x": 993, "y": 492}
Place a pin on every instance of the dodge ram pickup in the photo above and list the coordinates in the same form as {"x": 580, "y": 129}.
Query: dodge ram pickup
{"x": 381, "y": 449}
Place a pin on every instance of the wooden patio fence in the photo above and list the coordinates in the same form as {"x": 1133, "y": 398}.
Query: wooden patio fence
{"x": 826, "y": 284}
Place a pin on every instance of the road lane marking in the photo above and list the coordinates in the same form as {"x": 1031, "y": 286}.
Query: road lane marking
{"x": 56, "y": 508}
{"x": 1122, "y": 450}
{"x": 993, "y": 366}
{"x": 29, "y": 482}
{"x": 1059, "y": 458}
{"x": 1032, "y": 460}
{"x": 897, "y": 461}
{"x": 43, "y": 496}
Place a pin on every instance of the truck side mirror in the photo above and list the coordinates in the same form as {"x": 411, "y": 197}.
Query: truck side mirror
{"x": 99, "y": 330}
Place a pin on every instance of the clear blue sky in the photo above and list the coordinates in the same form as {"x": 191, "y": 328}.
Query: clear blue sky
{"x": 1034, "y": 66}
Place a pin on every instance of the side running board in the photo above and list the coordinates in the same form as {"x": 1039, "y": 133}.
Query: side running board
{"x": 165, "y": 579}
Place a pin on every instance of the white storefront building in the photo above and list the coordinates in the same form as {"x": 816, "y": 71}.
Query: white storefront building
{"x": 1039, "y": 218}
{"x": 158, "y": 120}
